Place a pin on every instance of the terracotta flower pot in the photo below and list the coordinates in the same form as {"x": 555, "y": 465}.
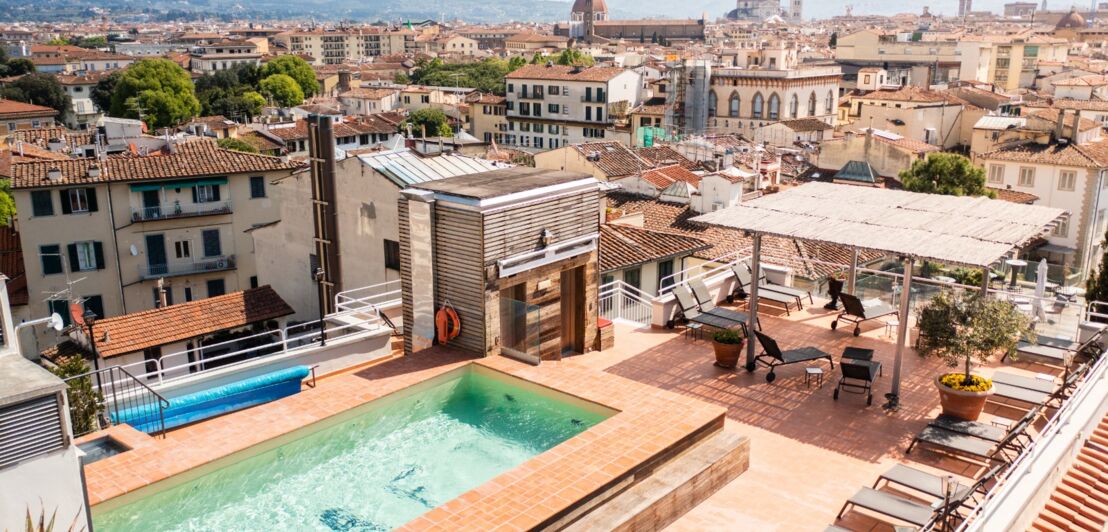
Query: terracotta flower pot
{"x": 961, "y": 404}
{"x": 727, "y": 355}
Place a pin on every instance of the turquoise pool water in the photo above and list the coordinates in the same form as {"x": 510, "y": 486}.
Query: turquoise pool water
{"x": 375, "y": 471}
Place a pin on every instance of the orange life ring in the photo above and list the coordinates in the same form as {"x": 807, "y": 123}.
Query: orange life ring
{"x": 447, "y": 323}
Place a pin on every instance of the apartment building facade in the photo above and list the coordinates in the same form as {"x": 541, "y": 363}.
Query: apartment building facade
{"x": 1009, "y": 62}
{"x": 348, "y": 46}
{"x": 549, "y": 106}
{"x": 223, "y": 55}
{"x": 105, "y": 232}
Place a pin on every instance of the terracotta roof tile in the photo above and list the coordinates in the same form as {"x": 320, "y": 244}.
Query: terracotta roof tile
{"x": 668, "y": 175}
{"x": 11, "y": 265}
{"x": 195, "y": 158}
{"x": 675, "y": 218}
{"x": 623, "y": 246}
{"x": 565, "y": 73}
{"x": 10, "y": 109}
{"x": 1014, "y": 196}
{"x": 175, "y": 323}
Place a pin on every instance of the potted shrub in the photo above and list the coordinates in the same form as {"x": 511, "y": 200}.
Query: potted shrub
{"x": 728, "y": 346}
{"x": 963, "y": 329}
{"x": 836, "y": 281}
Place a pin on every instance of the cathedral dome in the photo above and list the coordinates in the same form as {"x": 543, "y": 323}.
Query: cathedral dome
{"x": 1072, "y": 20}
{"x": 598, "y": 6}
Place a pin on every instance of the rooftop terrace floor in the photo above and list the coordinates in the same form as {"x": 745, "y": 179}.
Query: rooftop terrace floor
{"x": 809, "y": 453}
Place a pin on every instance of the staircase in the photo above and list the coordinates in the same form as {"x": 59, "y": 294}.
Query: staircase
{"x": 1080, "y": 499}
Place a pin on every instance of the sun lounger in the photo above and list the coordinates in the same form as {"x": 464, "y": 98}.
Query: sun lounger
{"x": 707, "y": 303}
{"x": 766, "y": 292}
{"x": 913, "y": 512}
{"x": 763, "y": 282}
{"x": 1018, "y": 388}
{"x": 688, "y": 310}
{"x": 972, "y": 446}
{"x": 772, "y": 356}
{"x": 984, "y": 431}
{"x": 855, "y": 312}
{"x": 1023, "y": 381}
{"x": 1055, "y": 350}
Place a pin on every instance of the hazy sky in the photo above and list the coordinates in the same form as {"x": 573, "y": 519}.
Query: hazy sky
{"x": 825, "y": 8}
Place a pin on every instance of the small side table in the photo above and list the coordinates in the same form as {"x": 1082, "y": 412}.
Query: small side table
{"x": 890, "y": 327}
{"x": 693, "y": 330}
{"x": 813, "y": 372}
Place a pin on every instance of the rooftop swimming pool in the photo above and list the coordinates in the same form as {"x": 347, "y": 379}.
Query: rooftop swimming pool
{"x": 374, "y": 468}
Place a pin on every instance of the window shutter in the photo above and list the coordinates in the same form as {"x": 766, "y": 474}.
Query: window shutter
{"x": 215, "y": 192}
{"x": 74, "y": 262}
{"x": 90, "y": 193}
{"x": 211, "y": 243}
{"x": 51, "y": 262}
{"x": 67, "y": 208}
{"x": 98, "y": 248}
{"x": 96, "y": 305}
{"x": 195, "y": 195}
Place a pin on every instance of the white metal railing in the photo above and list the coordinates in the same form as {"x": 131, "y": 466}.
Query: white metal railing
{"x": 1091, "y": 389}
{"x": 372, "y": 297}
{"x": 703, "y": 270}
{"x": 621, "y": 301}
{"x": 179, "y": 210}
{"x": 210, "y": 264}
{"x": 304, "y": 336}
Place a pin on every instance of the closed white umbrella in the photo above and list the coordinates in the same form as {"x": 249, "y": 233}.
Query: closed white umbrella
{"x": 1040, "y": 290}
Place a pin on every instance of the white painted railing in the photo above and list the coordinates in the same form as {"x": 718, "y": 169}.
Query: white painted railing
{"x": 621, "y": 301}
{"x": 1037, "y": 467}
{"x": 273, "y": 343}
{"x": 375, "y": 297}
{"x": 703, "y": 270}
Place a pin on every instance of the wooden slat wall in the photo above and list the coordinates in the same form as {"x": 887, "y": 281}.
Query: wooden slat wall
{"x": 519, "y": 229}
{"x": 406, "y": 273}
{"x": 460, "y": 273}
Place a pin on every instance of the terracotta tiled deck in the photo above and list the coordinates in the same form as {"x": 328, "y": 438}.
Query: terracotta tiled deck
{"x": 650, "y": 422}
{"x": 809, "y": 453}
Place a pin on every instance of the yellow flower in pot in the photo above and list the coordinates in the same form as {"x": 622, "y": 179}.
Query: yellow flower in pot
{"x": 963, "y": 329}
{"x": 728, "y": 346}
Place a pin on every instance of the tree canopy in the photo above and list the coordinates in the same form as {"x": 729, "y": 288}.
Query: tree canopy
{"x": 232, "y": 93}
{"x": 283, "y": 90}
{"x": 236, "y": 145}
{"x": 101, "y": 93}
{"x": 297, "y": 69}
{"x": 39, "y": 89}
{"x": 434, "y": 120}
{"x": 1096, "y": 286}
{"x": 157, "y": 90}
{"x": 7, "y": 204}
{"x": 573, "y": 56}
{"x": 486, "y": 75}
{"x": 948, "y": 174}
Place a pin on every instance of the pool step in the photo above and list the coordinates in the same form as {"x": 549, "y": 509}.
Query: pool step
{"x": 673, "y": 488}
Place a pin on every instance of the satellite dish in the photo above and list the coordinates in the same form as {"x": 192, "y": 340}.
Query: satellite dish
{"x": 134, "y": 251}
{"x": 56, "y": 321}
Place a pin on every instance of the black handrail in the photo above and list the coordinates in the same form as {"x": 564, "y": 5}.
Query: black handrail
{"x": 116, "y": 392}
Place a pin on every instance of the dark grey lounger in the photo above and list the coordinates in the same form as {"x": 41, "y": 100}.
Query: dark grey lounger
{"x": 772, "y": 356}
{"x": 921, "y": 481}
{"x": 763, "y": 282}
{"x": 1023, "y": 381}
{"x": 686, "y": 306}
{"x": 742, "y": 275}
{"x": 896, "y": 507}
{"x": 963, "y": 444}
{"x": 855, "y": 312}
{"x": 708, "y": 305}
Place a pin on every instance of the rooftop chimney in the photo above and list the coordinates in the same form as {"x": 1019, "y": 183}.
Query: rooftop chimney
{"x": 93, "y": 171}
{"x": 1058, "y": 126}
{"x": 1076, "y": 125}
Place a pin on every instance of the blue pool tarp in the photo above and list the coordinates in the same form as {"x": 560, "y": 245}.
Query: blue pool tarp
{"x": 218, "y": 400}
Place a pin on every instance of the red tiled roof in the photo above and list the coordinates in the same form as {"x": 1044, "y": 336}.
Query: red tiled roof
{"x": 1014, "y": 196}
{"x": 1078, "y": 502}
{"x": 195, "y": 158}
{"x": 668, "y": 175}
{"x": 565, "y": 73}
{"x": 675, "y": 218}
{"x": 10, "y": 109}
{"x": 665, "y": 155}
{"x": 175, "y": 323}
{"x": 623, "y": 246}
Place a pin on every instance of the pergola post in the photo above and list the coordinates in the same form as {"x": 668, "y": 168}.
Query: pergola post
{"x": 901, "y": 333}
{"x": 752, "y": 318}
{"x": 852, "y": 274}
{"x": 986, "y": 274}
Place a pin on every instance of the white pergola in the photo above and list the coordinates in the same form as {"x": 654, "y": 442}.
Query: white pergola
{"x": 965, "y": 231}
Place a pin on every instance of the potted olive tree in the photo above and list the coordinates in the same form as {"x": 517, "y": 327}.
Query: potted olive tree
{"x": 728, "y": 346}
{"x": 963, "y": 329}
